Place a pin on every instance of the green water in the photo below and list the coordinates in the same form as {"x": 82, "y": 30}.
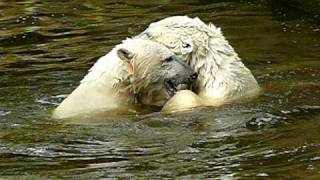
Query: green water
{"x": 46, "y": 47}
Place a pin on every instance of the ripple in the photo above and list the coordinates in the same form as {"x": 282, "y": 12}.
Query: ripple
{"x": 52, "y": 100}
{"x": 266, "y": 119}
{"x": 262, "y": 175}
{"x": 4, "y": 113}
{"x": 48, "y": 46}
{"x": 190, "y": 150}
{"x": 23, "y": 39}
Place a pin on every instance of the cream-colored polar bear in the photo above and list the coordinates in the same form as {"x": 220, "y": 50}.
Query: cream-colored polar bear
{"x": 135, "y": 72}
{"x": 222, "y": 77}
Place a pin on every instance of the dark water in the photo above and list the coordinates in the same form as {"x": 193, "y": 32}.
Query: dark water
{"x": 47, "y": 46}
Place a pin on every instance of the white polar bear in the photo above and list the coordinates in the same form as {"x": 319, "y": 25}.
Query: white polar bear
{"x": 134, "y": 72}
{"x": 222, "y": 77}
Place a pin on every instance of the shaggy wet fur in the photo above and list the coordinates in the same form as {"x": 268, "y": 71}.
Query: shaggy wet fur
{"x": 222, "y": 77}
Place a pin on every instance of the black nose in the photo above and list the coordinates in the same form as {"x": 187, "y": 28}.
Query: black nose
{"x": 194, "y": 76}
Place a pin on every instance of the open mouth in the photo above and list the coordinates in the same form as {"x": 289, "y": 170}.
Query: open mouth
{"x": 172, "y": 88}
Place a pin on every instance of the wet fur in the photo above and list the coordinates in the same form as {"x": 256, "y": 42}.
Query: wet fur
{"x": 110, "y": 84}
{"x": 222, "y": 77}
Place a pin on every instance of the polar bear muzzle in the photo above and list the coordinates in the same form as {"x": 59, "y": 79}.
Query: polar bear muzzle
{"x": 179, "y": 76}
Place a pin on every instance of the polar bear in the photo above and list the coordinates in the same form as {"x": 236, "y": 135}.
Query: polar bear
{"x": 136, "y": 71}
{"x": 222, "y": 77}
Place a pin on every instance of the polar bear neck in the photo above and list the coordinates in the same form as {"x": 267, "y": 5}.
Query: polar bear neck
{"x": 223, "y": 75}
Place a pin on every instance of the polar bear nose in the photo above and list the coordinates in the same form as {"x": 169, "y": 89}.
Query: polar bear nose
{"x": 194, "y": 76}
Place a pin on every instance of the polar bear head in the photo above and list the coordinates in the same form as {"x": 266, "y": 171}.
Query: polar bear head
{"x": 155, "y": 72}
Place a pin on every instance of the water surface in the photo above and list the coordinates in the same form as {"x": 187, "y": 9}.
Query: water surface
{"x": 46, "y": 47}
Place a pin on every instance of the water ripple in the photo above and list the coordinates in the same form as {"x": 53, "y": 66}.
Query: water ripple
{"x": 48, "y": 46}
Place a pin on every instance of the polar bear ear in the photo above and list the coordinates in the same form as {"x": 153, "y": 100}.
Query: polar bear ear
{"x": 124, "y": 55}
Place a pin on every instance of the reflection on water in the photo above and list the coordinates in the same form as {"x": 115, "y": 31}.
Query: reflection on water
{"x": 47, "y": 47}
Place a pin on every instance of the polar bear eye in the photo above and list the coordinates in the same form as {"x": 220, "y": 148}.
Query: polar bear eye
{"x": 186, "y": 45}
{"x": 168, "y": 59}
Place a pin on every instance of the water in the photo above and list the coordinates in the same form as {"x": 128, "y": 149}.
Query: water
{"x": 46, "y": 47}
